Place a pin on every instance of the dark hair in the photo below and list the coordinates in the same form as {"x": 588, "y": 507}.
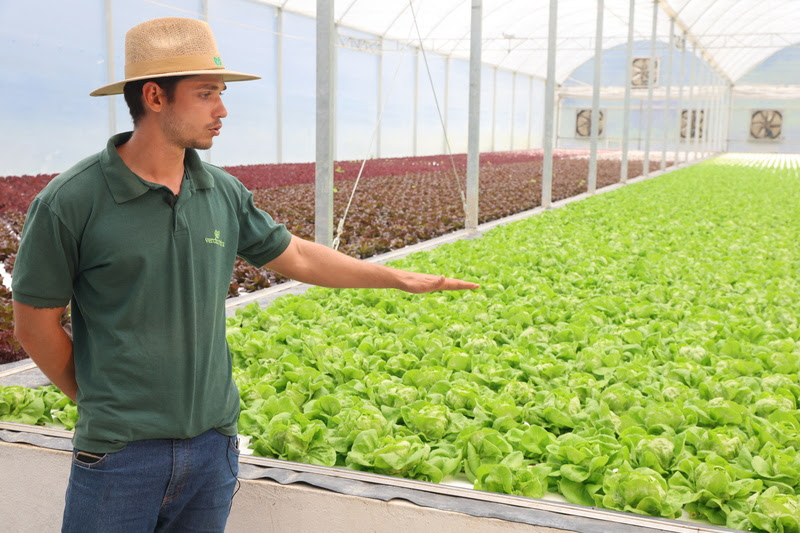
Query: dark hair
{"x": 133, "y": 93}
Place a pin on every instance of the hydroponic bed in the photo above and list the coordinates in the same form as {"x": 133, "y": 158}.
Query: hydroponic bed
{"x": 635, "y": 351}
{"x": 400, "y": 201}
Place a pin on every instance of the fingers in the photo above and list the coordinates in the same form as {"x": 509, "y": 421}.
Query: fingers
{"x": 441, "y": 283}
{"x": 458, "y": 285}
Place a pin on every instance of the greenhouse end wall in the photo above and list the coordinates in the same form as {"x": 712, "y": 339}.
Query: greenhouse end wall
{"x": 740, "y": 138}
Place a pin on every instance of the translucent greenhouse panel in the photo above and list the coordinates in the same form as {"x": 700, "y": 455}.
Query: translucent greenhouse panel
{"x": 537, "y": 111}
{"x": 299, "y": 86}
{"x": 778, "y": 69}
{"x": 124, "y": 16}
{"x": 356, "y": 99}
{"x": 248, "y": 135}
{"x": 397, "y": 135}
{"x": 503, "y": 111}
{"x": 458, "y": 106}
{"x": 520, "y": 133}
{"x": 49, "y": 118}
{"x": 430, "y": 134}
{"x": 487, "y": 115}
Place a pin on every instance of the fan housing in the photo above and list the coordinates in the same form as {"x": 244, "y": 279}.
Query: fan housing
{"x": 692, "y": 129}
{"x": 766, "y": 124}
{"x": 644, "y": 71}
{"x": 583, "y": 123}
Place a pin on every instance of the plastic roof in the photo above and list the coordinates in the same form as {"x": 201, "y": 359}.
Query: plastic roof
{"x": 732, "y": 35}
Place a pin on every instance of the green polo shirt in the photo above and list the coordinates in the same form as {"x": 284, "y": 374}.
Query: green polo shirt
{"x": 147, "y": 281}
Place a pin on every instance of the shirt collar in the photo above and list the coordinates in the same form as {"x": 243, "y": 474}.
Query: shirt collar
{"x": 125, "y": 185}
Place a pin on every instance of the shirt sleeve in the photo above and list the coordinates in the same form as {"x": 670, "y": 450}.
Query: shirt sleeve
{"x": 261, "y": 239}
{"x": 47, "y": 260}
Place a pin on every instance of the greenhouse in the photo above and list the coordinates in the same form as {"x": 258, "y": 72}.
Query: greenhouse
{"x": 618, "y": 177}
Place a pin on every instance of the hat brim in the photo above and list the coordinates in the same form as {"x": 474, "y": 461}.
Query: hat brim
{"x": 227, "y": 75}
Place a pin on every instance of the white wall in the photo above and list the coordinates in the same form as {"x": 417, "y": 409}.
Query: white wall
{"x": 34, "y": 480}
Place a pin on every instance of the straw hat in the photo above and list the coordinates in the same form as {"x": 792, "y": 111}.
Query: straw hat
{"x": 170, "y": 46}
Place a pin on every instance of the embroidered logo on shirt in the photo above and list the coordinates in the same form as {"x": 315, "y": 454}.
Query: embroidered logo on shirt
{"x": 215, "y": 240}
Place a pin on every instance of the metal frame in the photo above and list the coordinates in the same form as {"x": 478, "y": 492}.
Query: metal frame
{"x": 691, "y": 107}
{"x": 530, "y": 110}
{"x": 494, "y": 108}
{"x": 204, "y": 14}
{"x": 650, "y": 82}
{"x": 108, "y": 7}
{"x": 326, "y": 101}
{"x": 446, "y": 102}
{"x": 279, "y": 85}
{"x": 591, "y": 186}
{"x": 680, "y": 104}
{"x": 626, "y": 114}
{"x": 473, "y": 132}
{"x": 415, "y": 126}
{"x": 379, "y": 106}
{"x": 549, "y": 100}
{"x": 513, "y": 107}
{"x": 668, "y": 98}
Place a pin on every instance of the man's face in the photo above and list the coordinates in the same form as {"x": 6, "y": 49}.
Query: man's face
{"x": 193, "y": 118}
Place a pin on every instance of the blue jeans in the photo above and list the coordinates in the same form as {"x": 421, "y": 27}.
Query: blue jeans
{"x": 154, "y": 485}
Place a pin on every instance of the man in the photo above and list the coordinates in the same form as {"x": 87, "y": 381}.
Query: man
{"x": 142, "y": 239}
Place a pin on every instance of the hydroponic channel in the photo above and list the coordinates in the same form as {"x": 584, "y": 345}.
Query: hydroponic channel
{"x": 635, "y": 351}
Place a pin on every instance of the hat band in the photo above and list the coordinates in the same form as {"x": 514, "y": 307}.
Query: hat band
{"x": 175, "y": 65}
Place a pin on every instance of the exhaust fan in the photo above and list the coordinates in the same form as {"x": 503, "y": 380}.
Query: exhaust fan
{"x": 583, "y": 123}
{"x": 766, "y": 124}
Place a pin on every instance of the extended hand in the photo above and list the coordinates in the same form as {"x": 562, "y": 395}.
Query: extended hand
{"x": 420, "y": 283}
{"x": 319, "y": 265}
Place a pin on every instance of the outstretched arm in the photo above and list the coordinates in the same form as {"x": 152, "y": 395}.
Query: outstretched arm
{"x": 319, "y": 265}
{"x": 40, "y": 333}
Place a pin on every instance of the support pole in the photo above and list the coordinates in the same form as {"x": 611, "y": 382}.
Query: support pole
{"x": 691, "y": 118}
{"x": 112, "y": 102}
{"x": 549, "y": 100}
{"x": 707, "y": 116}
{"x": 720, "y": 112}
{"x": 513, "y": 106}
{"x": 667, "y": 104}
{"x": 626, "y": 114}
{"x": 204, "y": 14}
{"x": 279, "y": 86}
{"x": 379, "y": 107}
{"x": 446, "y": 101}
{"x": 474, "y": 124}
{"x": 530, "y": 111}
{"x": 712, "y": 104}
{"x": 728, "y": 117}
{"x": 416, "y": 101}
{"x": 723, "y": 114}
{"x": 651, "y": 70}
{"x": 323, "y": 200}
{"x": 701, "y": 112}
{"x": 711, "y": 116}
{"x": 494, "y": 108}
{"x": 591, "y": 182}
{"x": 680, "y": 103}
{"x": 702, "y": 125}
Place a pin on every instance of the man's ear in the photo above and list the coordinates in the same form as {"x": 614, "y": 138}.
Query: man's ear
{"x": 153, "y": 96}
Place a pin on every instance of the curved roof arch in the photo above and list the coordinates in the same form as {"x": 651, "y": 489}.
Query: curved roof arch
{"x": 734, "y": 36}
